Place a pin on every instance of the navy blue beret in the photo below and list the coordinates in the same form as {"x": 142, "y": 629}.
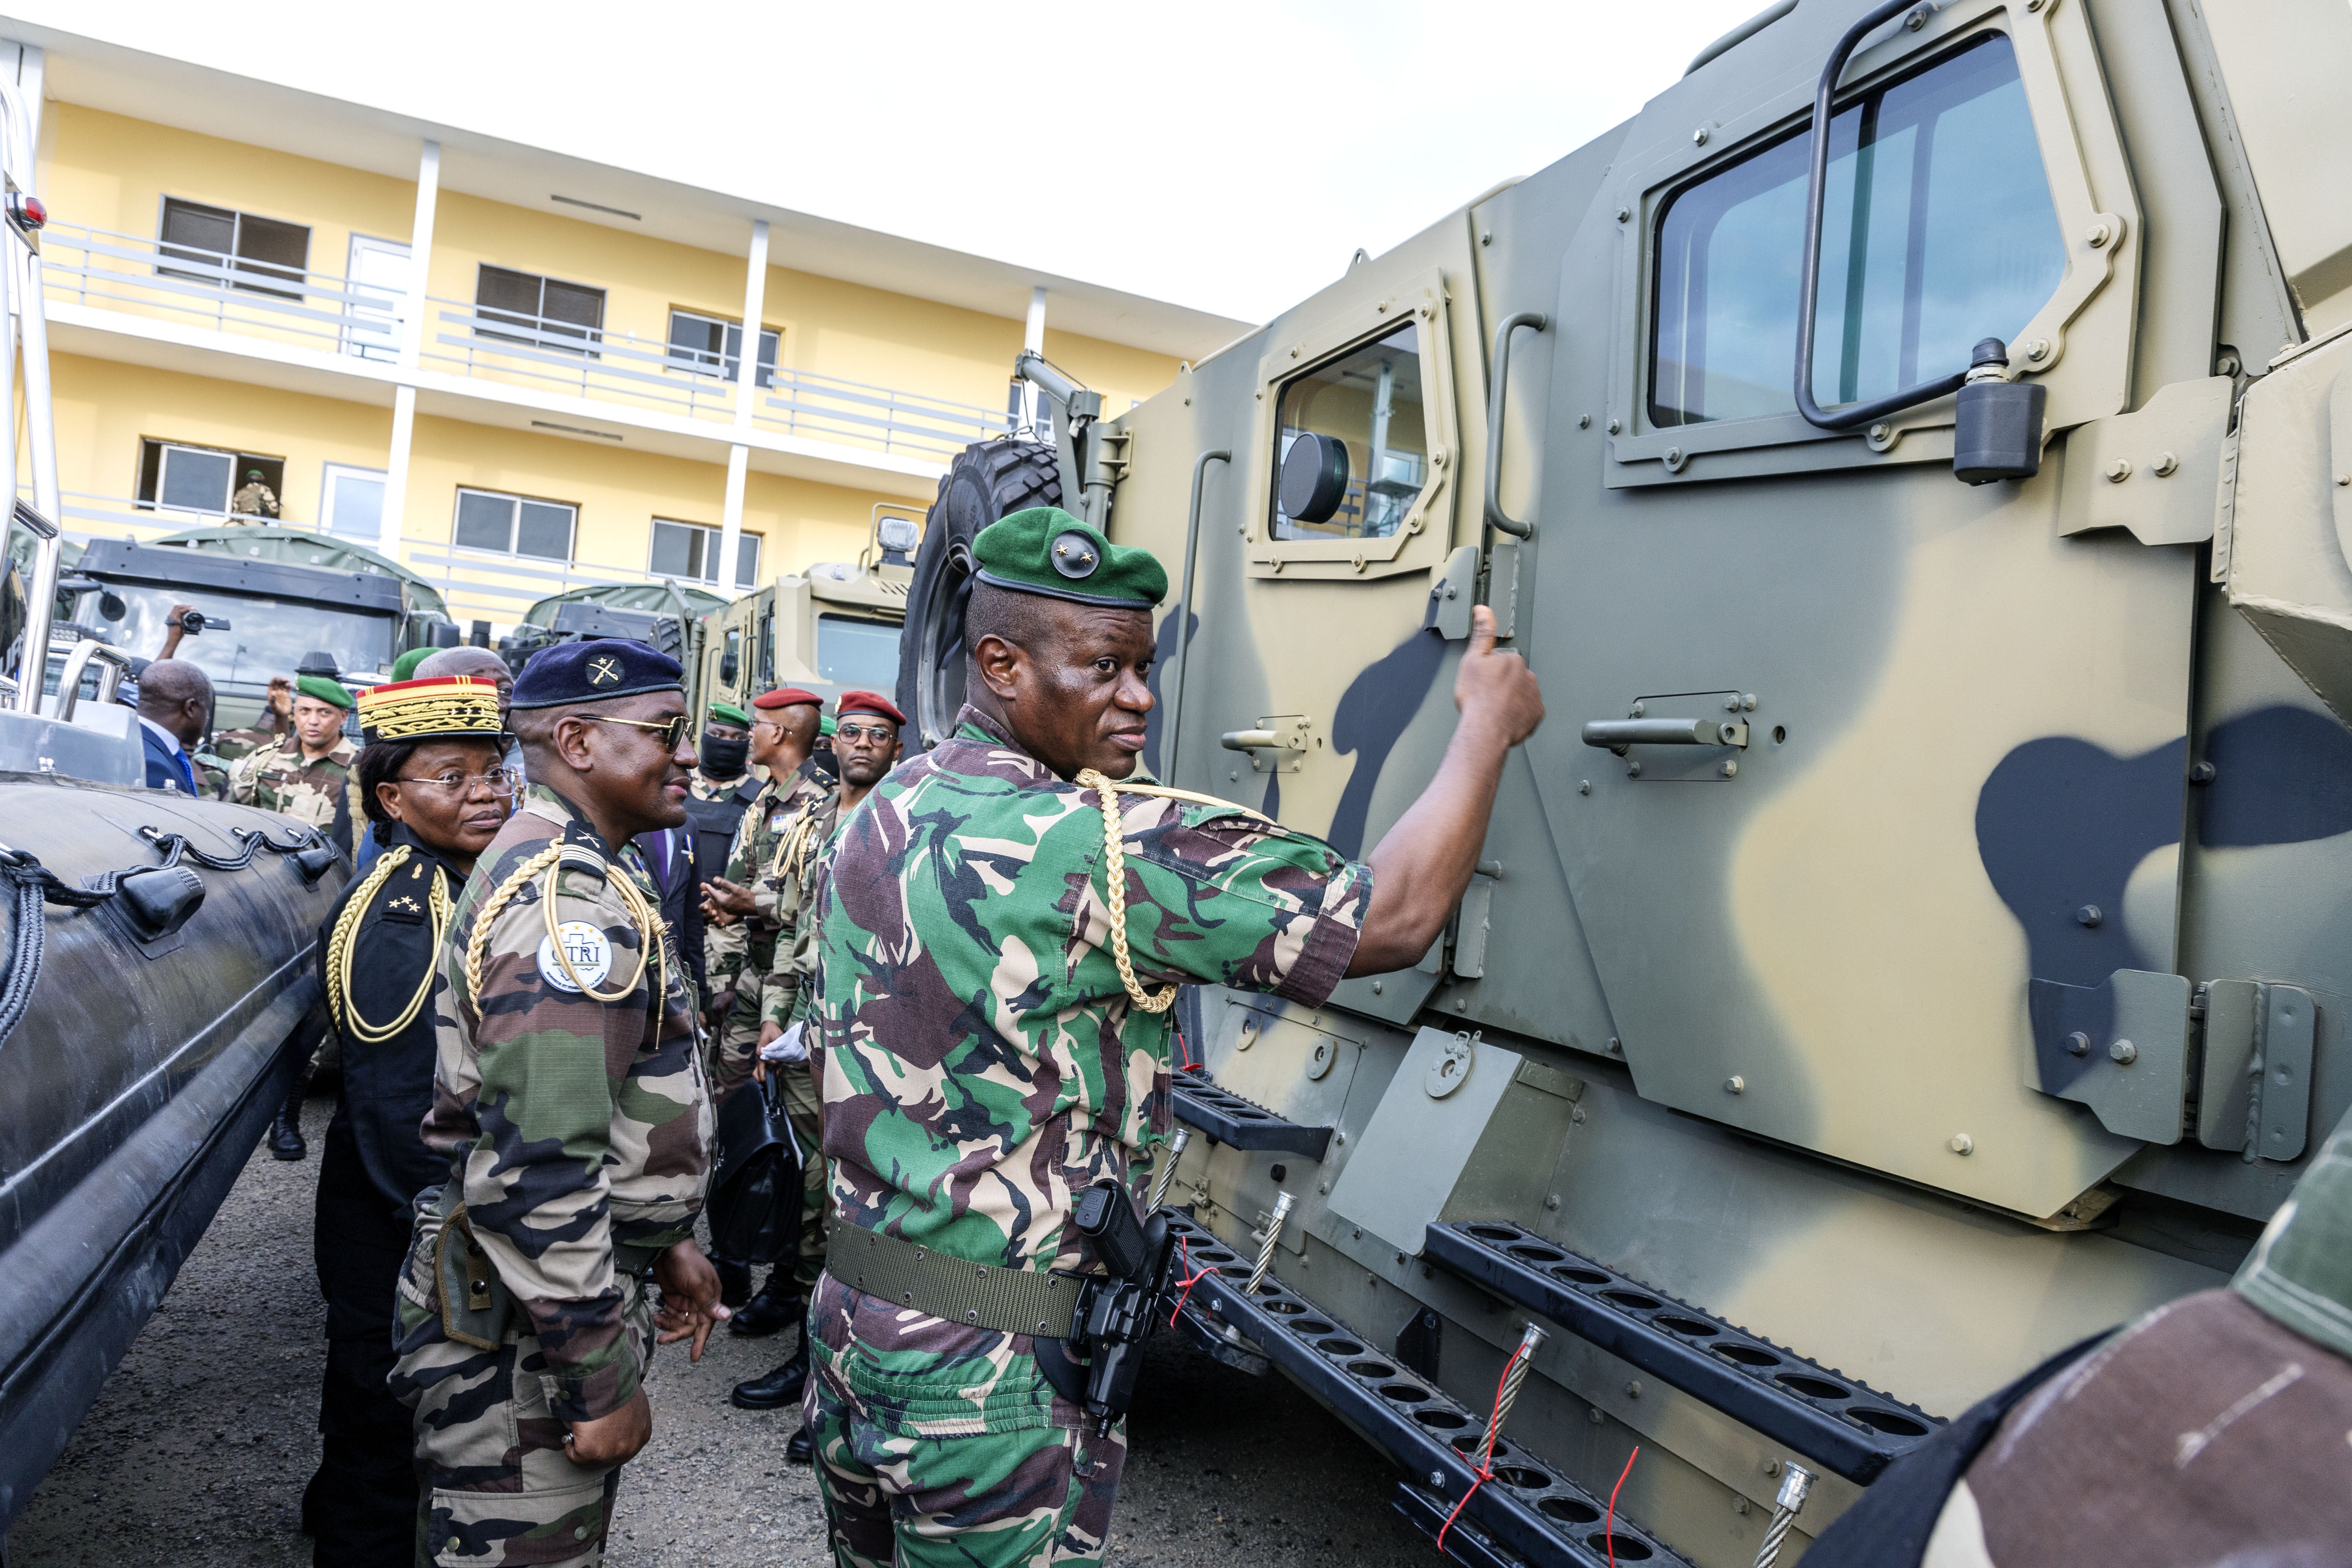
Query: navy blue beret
{"x": 592, "y": 671}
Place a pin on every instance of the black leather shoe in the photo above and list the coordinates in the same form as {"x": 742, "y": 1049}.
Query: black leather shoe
{"x": 801, "y": 1449}
{"x": 734, "y": 1283}
{"x": 778, "y": 1389}
{"x": 766, "y": 1312}
{"x": 286, "y": 1131}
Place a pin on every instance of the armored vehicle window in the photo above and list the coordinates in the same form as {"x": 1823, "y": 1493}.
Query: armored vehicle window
{"x": 1366, "y": 455}
{"x": 857, "y": 652}
{"x": 1937, "y": 229}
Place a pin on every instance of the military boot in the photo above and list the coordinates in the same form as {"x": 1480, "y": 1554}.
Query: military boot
{"x": 286, "y": 1130}
{"x": 800, "y": 1448}
{"x": 780, "y": 1387}
{"x": 769, "y": 1311}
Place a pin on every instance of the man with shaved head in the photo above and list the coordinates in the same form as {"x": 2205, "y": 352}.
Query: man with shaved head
{"x": 175, "y": 703}
{"x": 478, "y": 662}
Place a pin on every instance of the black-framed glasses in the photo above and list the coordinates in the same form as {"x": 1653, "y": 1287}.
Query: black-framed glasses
{"x": 502, "y": 782}
{"x": 874, "y": 733}
{"x": 672, "y": 732}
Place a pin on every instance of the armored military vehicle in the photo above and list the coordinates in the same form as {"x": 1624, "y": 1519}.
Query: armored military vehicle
{"x": 663, "y": 613}
{"x": 157, "y": 982}
{"x": 1914, "y": 453}
{"x": 831, "y": 629}
{"x": 267, "y": 596}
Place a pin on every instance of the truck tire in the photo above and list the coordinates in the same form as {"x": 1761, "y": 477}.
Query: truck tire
{"x": 987, "y": 480}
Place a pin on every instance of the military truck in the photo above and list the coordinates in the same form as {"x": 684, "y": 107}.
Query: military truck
{"x": 267, "y": 596}
{"x": 833, "y": 629}
{"x": 1913, "y": 451}
{"x": 663, "y": 613}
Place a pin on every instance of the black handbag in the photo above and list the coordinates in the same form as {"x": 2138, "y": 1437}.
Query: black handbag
{"x": 755, "y": 1179}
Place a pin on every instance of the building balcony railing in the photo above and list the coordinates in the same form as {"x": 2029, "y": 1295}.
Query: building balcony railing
{"x": 323, "y": 312}
{"x": 327, "y": 312}
{"x": 591, "y": 362}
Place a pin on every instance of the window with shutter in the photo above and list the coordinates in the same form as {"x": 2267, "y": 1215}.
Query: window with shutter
{"x": 544, "y": 312}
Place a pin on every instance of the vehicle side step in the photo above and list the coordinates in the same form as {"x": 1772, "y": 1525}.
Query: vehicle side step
{"x": 1230, "y": 1120}
{"x": 1850, "y": 1427}
{"x": 1530, "y": 1515}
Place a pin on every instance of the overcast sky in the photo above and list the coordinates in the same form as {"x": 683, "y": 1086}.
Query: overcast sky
{"x": 1226, "y": 155}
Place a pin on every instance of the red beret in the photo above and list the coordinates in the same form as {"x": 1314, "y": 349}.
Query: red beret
{"x": 868, "y": 702}
{"x": 787, "y": 697}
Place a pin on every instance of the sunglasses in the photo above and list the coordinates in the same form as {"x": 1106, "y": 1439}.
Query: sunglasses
{"x": 672, "y": 732}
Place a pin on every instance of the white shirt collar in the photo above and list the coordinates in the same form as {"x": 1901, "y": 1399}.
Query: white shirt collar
{"x": 169, "y": 738}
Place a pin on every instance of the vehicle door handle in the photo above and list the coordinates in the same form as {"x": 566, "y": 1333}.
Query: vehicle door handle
{"x": 1618, "y": 734}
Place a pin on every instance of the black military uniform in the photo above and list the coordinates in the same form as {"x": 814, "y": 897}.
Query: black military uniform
{"x": 360, "y": 1506}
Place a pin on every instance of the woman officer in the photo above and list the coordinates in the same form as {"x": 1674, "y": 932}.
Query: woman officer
{"x": 431, "y": 779}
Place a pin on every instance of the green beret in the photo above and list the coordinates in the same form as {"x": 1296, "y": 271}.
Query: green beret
{"x": 825, "y": 725}
{"x": 728, "y": 713}
{"x": 405, "y": 666}
{"x": 323, "y": 690}
{"x": 1046, "y": 551}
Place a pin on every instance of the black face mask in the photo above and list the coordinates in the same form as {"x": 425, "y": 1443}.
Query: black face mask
{"x": 723, "y": 758}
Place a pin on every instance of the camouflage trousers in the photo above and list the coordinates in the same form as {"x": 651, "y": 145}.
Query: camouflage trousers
{"x": 495, "y": 1489}
{"x": 939, "y": 1446}
{"x": 736, "y": 1045}
{"x": 800, "y": 1109}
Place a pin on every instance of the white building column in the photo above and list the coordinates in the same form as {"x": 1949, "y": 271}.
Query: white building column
{"x": 747, "y": 388}
{"x": 1033, "y": 341}
{"x": 412, "y": 347}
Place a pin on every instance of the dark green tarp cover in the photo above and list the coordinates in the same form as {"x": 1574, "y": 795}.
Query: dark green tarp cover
{"x": 295, "y": 548}
{"x": 652, "y": 598}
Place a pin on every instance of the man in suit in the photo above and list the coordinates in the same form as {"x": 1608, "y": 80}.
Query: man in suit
{"x": 669, "y": 858}
{"x": 176, "y": 699}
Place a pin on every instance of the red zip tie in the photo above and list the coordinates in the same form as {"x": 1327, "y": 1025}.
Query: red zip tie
{"x": 1609, "y": 1529}
{"x": 1184, "y": 1050}
{"x": 1486, "y": 1458}
{"x": 1185, "y": 1250}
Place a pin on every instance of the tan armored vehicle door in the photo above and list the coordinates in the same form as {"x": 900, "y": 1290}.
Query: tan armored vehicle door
{"x": 1887, "y": 767}
{"x": 1351, "y": 488}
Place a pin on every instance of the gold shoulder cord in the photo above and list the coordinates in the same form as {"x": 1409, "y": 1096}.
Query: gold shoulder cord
{"x": 340, "y": 942}
{"x": 549, "y": 863}
{"x": 1115, "y": 869}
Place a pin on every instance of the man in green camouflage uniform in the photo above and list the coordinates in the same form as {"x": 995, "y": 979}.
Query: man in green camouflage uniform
{"x": 304, "y": 776}
{"x": 867, "y": 742}
{"x": 984, "y": 1059}
{"x": 740, "y": 943}
{"x": 570, "y": 1097}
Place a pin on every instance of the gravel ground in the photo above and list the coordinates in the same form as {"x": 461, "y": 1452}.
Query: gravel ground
{"x": 198, "y": 1451}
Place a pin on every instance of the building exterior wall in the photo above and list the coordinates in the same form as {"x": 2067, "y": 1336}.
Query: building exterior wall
{"x": 149, "y": 355}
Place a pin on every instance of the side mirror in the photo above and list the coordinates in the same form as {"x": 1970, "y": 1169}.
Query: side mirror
{"x": 1997, "y": 433}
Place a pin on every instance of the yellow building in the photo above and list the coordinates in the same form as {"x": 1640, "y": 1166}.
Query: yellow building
{"x": 513, "y": 371}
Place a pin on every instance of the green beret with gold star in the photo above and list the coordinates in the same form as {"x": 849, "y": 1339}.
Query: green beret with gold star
{"x": 320, "y": 689}
{"x": 728, "y": 713}
{"x": 1046, "y": 551}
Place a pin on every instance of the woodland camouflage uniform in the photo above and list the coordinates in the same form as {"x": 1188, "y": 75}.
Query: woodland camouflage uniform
{"x": 279, "y": 778}
{"x": 740, "y": 956}
{"x": 983, "y": 1062}
{"x": 785, "y": 999}
{"x": 578, "y": 1131}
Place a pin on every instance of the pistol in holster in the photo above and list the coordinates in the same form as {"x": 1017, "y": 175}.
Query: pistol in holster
{"x": 1117, "y": 1310}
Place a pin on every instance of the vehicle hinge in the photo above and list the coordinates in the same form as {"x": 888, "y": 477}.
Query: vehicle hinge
{"x": 2254, "y": 1085}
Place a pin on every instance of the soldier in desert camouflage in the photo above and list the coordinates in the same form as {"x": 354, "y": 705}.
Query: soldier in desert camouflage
{"x": 570, "y": 1097}
{"x": 1003, "y": 931}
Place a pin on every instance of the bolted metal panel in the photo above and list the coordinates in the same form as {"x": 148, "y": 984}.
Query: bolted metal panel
{"x": 2154, "y": 471}
{"x": 2120, "y": 1047}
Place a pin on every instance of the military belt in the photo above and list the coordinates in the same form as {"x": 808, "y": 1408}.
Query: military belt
{"x": 983, "y": 1295}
